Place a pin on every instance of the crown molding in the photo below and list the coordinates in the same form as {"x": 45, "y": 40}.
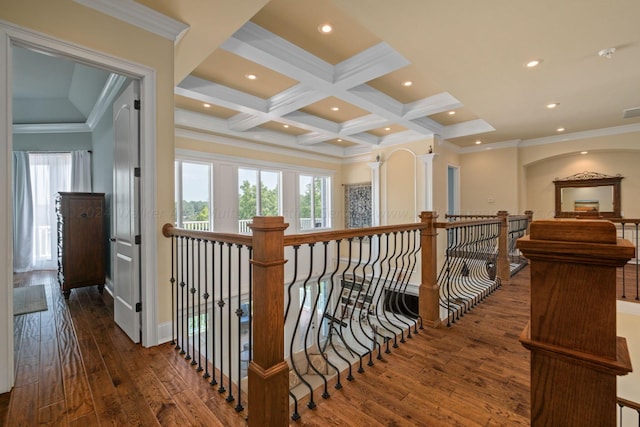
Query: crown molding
{"x": 248, "y": 145}
{"x": 209, "y": 124}
{"x": 515, "y": 143}
{"x": 594, "y": 133}
{"x": 105, "y": 100}
{"x": 140, "y": 16}
{"x": 51, "y": 128}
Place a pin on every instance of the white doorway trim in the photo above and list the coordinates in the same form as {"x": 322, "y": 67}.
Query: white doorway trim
{"x": 15, "y": 35}
{"x": 453, "y": 189}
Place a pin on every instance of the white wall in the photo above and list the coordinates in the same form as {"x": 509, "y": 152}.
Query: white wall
{"x": 629, "y": 385}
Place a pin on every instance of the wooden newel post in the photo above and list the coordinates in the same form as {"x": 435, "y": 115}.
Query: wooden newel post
{"x": 429, "y": 293}
{"x": 268, "y": 371}
{"x": 503, "y": 269}
{"x": 575, "y": 354}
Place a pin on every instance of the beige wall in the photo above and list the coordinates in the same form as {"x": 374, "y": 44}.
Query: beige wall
{"x": 444, "y": 158}
{"x": 628, "y": 319}
{"x": 521, "y": 178}
{"x": 489, "y": 181}
{"x": 540, "y": 176}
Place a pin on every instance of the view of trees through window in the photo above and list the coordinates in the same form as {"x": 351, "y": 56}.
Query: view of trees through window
{"x": 259, "y": 192}
{"x": 266, "y": 202}
{"x": 193, "y": 195}
{"x": 313, "y": 212}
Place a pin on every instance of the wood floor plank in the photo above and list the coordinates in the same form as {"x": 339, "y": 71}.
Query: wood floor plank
{"x": 77, "y": 396}
{"x": 473, "y": 373}
{"x": 22, "y": 410}
{"x": 49, "y": 373}
{"x": 53, "y": 415}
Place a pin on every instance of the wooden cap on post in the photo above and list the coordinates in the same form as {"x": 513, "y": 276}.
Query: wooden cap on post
{"x": 575, "y": 354}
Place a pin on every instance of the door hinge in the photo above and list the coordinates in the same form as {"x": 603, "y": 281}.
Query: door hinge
{"x": 138, "y": 239}
{"x": 136, "y": 104}
{"x": 137, "y": 172}
{"x": 138, "y": 307}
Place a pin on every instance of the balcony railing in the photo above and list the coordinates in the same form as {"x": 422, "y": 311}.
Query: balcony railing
{"x": 629, "y": 228}
{"x": 288, "y": 317}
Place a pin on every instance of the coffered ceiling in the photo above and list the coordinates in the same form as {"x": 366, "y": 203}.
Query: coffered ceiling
{"x": 342, "y": 93}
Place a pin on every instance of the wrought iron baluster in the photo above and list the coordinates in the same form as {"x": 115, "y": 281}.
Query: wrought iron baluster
{"x": 221, "y": 304}
{"x": 183, "y": 287}
{"x": 214, "y": 330}
{"x": 239, "y": 314}
{"x": 192, "y": 319}
{"x": 230, "y": 397}
{"x": 205, "y": 296}
{"x": 199, "y": 369}
{"x": 174, "y": 288}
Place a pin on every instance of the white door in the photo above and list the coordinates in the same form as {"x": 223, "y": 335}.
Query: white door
{"x": 126, "y": 224}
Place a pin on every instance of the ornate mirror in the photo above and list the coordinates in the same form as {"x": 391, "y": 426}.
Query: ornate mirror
{"x": 589, "y": 194}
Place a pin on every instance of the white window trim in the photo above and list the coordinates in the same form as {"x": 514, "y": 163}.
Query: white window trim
{"x": 227, "y": 195}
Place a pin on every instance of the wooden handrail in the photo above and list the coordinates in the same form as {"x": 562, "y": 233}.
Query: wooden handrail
{"x": 169, "y": 230}
{"x": 325, "y": 236}
{"x": 458, "y": 224}
{"x": 628, "y": 403}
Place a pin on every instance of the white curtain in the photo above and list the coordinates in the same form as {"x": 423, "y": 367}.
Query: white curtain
{"x": 50, "y": 174}
{"x": 22, "y": 213}
{"x": 81, "y": 171}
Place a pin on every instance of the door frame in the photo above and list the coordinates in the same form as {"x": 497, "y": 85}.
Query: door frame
{"x": 15, "y": 35}
{"x": 453, "y": 189}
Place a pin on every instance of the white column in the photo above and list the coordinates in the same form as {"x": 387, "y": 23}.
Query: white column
{"x": 375, "y": 193}
{"x": 427, "y": 159}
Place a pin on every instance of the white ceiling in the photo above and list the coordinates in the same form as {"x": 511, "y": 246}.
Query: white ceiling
{"x": 464, "y": 56}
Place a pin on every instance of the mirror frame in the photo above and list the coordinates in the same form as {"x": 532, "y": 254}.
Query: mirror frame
{"x": 589, "y": 179}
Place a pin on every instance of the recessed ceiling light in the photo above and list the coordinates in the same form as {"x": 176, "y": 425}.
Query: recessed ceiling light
{"x": 339, "y": 140}
{"x": 560, "y": 129}
{"x": 206, "y": 105}
{"x": 533, "y": 63}
{"x": 325, "y": 28}
{"x": 251, "y": 76}
{"x": 478, "y": 142}
{"x": 335, "y": 109}
{"x": 451, "y": 113}
{"x": 285, "y": 126}
{"x": 584, "y": 152}
{"x": 553, "y": 105}
{"x": 607, "y": 53}
{"x": 407, "y": 83}
{"x": 387, "y": 129}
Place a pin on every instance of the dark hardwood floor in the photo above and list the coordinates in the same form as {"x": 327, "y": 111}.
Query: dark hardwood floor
{"x": 75, "y": 367}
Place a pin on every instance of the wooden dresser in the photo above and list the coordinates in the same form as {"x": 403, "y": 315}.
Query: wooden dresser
{"x": 81, "y": 240}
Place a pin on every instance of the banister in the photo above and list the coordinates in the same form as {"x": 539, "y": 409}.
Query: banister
{"x": 458, "y": 224}
{"x": 169, "y": 230}
{"x": 628, "y": 403}
{"x": 305, "y": 238}
{"x": 572, "y": 332}
{"x": 264, "y": 254}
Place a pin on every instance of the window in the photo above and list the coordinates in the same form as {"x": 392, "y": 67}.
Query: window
{"x": 216, "y": 192}
{"x": 251, "y": 202}
{"x": 50, "y": 174}
{"x": 314, "y": 206}
{"x": 193, "y": 196}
